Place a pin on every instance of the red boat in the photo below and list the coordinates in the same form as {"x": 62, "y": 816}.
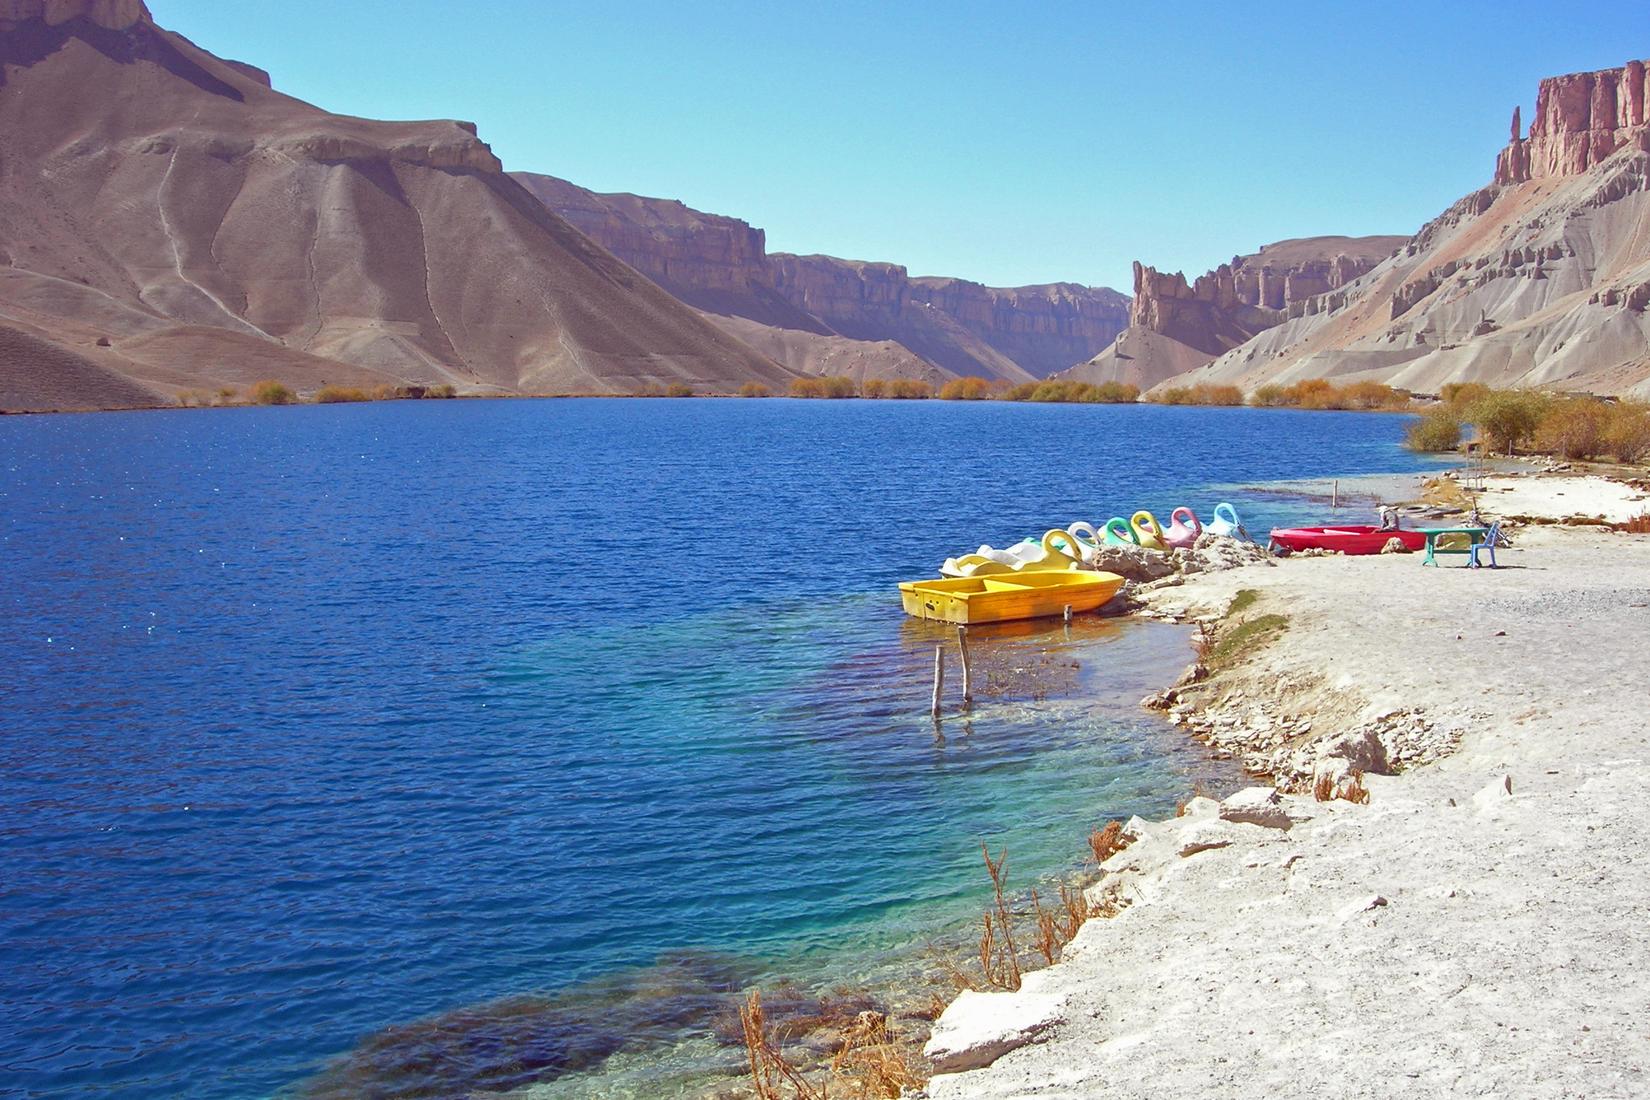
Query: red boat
{"x": 1350, "y": 539}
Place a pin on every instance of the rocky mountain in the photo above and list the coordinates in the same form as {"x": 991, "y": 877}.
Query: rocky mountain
{"x": 1542, "y": 278}
{"x": 825, "y": 311}
{"x": 168, "y": 221}
{"x": 1176, "y": 327}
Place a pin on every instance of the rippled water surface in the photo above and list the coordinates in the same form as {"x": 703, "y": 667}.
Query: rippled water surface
{"x": 492, "y": 743}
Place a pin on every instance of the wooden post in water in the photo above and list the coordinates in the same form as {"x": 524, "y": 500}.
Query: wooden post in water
{"x": 1068, "y": 614}
{"x": 968, "y": 673}
{"x": 939, "y": 680}
{"x": 1335, "y": 493}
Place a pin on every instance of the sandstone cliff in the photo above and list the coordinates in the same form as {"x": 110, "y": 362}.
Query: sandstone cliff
{"x": 827, "y": 310}
{"x": 164, "y": 214}
{"x": 1541, "y": 278}
{"x": 1175, "y": 326}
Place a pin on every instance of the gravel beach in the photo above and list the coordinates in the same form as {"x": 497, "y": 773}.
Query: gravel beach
{"x": 1477, "y": 928}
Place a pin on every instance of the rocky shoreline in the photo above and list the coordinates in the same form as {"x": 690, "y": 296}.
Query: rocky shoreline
{"x": 1394, "y": 913}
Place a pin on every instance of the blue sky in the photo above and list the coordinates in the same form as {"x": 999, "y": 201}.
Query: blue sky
{"x": 1008, "y": 143}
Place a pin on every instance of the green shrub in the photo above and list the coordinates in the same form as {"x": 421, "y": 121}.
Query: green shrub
{"x": 1507, "y": 418}
{"x": 271, "y": 392}
{"x": 1438, "y": 429}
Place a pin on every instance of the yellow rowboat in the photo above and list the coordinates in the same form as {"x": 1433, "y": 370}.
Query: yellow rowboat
{"x": 999, "y": 598}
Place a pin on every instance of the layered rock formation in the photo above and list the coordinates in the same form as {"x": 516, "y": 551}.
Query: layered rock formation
{"x": 829, "y": 310}
{"x": 1580, "y": 120}
{"x": 167, "y": 220}
{"x": 1541, "y": 278}
{"x": 1175, "y": 326}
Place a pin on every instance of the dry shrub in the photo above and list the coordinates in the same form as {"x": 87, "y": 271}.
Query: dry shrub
{"x": 966, "y": 389}
{"x": 1636, "y": 525}
{"x": 271, "y": 392}
{"x": 1458, "y": 395}
{"x": 443, "y": 390}
{"x": 835, "y": 386}
{"x": 1372, "y": 395}
{"x": 226, "y": 394}
{"x": 385, "y": 392}
{"x": 1268, "y": 396}
{"x": 678, "y": 389}
{"x": 910, "y": 389}
{"x": 1107, "y": 842}
{"x": 754, "y": 389}
{"x": 873, "y": 388}
{"x": 1627, "y": 431}
{"x": 1203, "y": 393}
{"x": 1052, "y": 391}
{"x": 1314, "y": 393}
{"x": 334, "y": 395}
{"x": 1574, "y": 427}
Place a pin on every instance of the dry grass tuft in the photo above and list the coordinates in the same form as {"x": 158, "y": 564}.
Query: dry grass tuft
{"x": 873, "y": 1061}
{"x": 999, "y": 958}
{"x": 770, "y": 1072}
{"x": 1636, "y": 525}
{"x": 1107, "y": 842}
{"x": 271, "y": 392}
{"x": 1057, "y": 926}
{"x": 1198, "y": 791}
{"x": 1353, "y": 790}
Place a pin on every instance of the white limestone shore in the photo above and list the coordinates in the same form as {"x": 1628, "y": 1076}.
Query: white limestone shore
{"x": 1479, "y": 928}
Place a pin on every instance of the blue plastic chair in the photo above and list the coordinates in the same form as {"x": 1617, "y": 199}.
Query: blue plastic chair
{"x": 1491, "y": 538}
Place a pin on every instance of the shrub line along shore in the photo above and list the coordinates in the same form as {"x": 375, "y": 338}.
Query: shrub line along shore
{"x": 1441, "y": 895}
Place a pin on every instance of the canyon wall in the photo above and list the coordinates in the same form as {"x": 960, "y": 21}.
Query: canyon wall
{"x": 1580, "y": 120}
{"x": 720, "y": 265}
{"x": 1175, "y": 326}
{"x": 1541, "y": 278}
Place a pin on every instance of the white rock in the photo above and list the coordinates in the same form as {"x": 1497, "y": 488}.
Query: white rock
{"x": 1493, "y": 794}
{"x": 1262, "y": 806}
{"x": 978, "y": 1028}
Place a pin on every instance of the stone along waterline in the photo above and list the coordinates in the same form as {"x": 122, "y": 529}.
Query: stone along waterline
{"x": 321, "y": 721}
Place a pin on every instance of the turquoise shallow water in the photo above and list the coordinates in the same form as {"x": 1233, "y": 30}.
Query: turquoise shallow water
{"x": 496, "y": 742}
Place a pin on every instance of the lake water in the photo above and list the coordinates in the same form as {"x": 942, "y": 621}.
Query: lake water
{"x": 423, "y": 748}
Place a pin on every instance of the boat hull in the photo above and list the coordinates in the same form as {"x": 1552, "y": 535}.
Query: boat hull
{"x": 1005, "y": 597}
{"x": 1347, "y": 539}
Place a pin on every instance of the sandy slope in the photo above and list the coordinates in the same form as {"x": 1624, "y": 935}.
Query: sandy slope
{"x": 1505, "y": 955}
{"x": 147, "y": 186}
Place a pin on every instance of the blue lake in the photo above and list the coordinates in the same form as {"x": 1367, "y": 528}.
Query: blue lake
{"x": 426, "y": 747}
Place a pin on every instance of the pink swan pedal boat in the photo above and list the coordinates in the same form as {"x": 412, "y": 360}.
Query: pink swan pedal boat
{"x": 1347, "y": 538}
{"x": 1183, "y": 528}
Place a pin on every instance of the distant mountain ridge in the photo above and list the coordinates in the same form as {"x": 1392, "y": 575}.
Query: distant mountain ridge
{"x": 168, "y": 221}
{"x": 1541, "y": 278}
{"x": 904, "y": 325}
{"x": 1175, "y": 327}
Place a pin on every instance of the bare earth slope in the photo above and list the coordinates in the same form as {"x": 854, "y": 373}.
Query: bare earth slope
{"x": 828, "y": 310}
{"x": 1175, "y": 326}
{"x": 1541, "y": 278}
{"x": 146, "y": 184}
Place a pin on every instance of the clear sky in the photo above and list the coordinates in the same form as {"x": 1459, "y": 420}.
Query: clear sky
{"x": 1005, "y": 142}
